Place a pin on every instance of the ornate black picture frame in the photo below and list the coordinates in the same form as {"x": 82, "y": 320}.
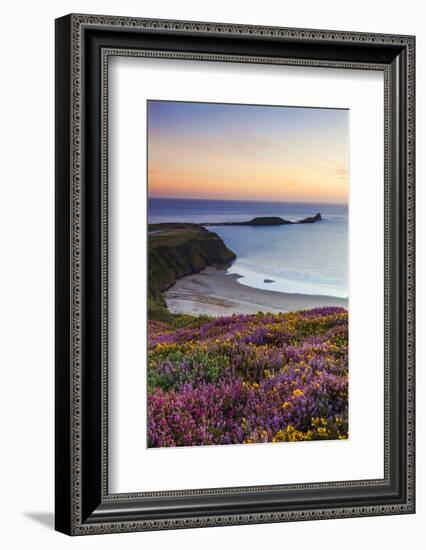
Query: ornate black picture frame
{"x": 84, "y": 44}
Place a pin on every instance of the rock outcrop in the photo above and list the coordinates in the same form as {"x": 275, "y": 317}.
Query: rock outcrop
{"x": 269, "y": 220}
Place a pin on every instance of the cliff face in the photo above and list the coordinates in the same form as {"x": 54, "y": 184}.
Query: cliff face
{"x": 176, "y": 250}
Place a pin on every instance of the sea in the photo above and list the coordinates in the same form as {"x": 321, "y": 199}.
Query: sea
{"x": 303, "y": 259}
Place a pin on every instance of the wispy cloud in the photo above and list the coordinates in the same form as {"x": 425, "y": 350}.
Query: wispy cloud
{"x": 247, "y": 152}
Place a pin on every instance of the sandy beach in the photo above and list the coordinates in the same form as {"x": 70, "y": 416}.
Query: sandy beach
{"x": 214, "y": 292}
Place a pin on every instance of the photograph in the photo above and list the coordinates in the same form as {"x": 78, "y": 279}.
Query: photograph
{"x": 247, "y": 290}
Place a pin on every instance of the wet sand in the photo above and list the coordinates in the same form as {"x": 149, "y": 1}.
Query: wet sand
{"x": 214, "y": 292}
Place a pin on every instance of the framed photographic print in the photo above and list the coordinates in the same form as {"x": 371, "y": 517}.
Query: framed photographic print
{"x": 234, "y": 274}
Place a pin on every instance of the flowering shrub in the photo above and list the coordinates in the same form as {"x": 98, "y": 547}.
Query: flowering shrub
{"x": 249, "y": 379}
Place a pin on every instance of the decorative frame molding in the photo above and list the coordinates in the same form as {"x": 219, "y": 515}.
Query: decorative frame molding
{"x": 83, "y": 504}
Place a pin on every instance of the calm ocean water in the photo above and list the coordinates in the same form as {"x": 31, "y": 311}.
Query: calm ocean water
{"x": 306, "y": 259}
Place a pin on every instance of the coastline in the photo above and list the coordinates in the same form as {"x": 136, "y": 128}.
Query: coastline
{"x": 214, "y": 292}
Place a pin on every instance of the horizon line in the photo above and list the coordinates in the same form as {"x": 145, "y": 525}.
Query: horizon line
{"x": 248, "y": 200}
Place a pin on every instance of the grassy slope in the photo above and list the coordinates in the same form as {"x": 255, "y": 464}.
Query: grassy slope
{"x": 176, "y": 250}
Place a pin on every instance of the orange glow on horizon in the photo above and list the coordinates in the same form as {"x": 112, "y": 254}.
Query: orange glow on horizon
{"x": 250, "y": 157}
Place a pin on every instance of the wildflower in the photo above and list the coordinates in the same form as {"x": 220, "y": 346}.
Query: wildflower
{"x": 249, "y": 379}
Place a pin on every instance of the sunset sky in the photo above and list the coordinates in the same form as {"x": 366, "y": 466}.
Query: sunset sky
{"x": 247, "y": 152}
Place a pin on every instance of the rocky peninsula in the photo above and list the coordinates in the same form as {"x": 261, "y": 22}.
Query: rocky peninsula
{"x": 269, "y": 220}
